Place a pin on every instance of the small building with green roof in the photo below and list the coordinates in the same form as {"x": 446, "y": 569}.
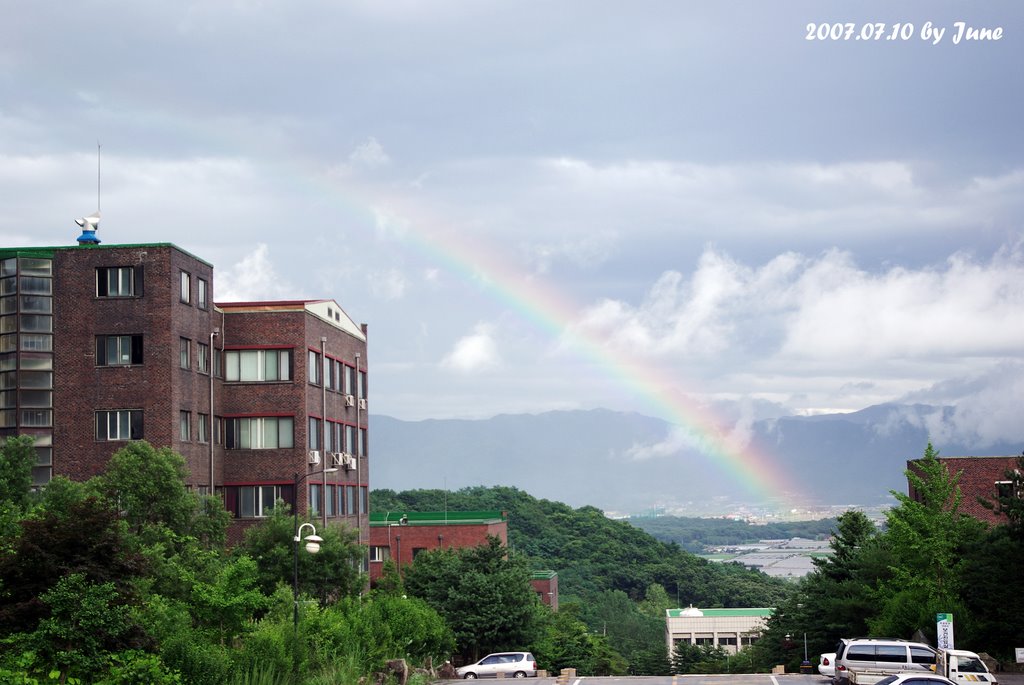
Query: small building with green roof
{"x": 730, "y": 629}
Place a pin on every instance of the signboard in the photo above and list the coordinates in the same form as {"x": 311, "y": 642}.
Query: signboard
{"x": 944, "y": 630}
{"x": 1019, "y": 651}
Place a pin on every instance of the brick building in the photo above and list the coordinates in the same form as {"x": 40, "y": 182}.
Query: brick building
{"x": 100, "y": 345}
{"x": 980, "y": 477}
{"x": 399, "y": 536}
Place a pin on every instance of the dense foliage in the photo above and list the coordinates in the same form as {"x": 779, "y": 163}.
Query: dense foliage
{"x": 618, "y": 579}
{"x": 930, "y": 558}
{"x": 126, "y": 579}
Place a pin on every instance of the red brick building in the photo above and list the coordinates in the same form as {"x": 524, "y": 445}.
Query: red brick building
{"x": 979, "y": 477}
{"x": 100, "y": 345}
{"x": 399, "y": 536}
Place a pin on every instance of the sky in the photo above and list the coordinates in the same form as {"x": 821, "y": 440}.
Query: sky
{"x": 702, "y": 211}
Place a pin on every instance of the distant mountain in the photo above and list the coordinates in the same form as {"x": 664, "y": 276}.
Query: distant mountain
{"x": 591, "y": 458}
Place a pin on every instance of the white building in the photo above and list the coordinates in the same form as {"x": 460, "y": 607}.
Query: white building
{"x": 730, "y": 629}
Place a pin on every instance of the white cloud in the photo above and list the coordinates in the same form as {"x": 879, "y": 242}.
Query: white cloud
{"x": 474, "y": 352}
{"x": 369, "y": 154}
{"x": 388, "y": 284}
{"x": 252, "y": 279}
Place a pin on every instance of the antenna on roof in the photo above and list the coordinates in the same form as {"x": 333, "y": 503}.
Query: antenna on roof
{"x": 90, "y": 223}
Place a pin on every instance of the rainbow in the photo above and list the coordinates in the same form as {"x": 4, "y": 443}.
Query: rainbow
{"x": 553, "y": 313}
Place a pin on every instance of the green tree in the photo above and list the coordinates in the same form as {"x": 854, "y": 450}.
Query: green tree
{"x": 87, "y": 622}
{"x": 86, "y": 539}
{"x": 483, "y": 594}
{"x": 927, "y": 537}
{"x": 17, "y": 457}
{"x": 228, "y": 604}
{"x": 330, "y": 574}
{"x": 147, "y": 486}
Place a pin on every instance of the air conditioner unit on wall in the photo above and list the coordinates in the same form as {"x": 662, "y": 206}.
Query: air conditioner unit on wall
{"x": 337, "y": 459}
{"x": 314, "y": 457}
{"x": 362, "y": 404}
{"x": 350, "y": 400}
{"x": 352, "y": 462}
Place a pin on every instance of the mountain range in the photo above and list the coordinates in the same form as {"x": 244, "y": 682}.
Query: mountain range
{"x": 633, "y": 464}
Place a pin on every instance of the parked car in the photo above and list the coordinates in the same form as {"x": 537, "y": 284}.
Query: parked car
{"x": 827, "y": 665}
{"x": 510, "y": 664}
{"x": 914, "y": 678}
{"x": 880, "y": 657}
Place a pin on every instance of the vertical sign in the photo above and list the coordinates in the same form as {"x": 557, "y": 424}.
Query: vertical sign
{"x": 944, "y": 629}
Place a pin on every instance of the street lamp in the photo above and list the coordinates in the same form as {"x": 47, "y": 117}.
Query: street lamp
{"x": 313, "y": 542}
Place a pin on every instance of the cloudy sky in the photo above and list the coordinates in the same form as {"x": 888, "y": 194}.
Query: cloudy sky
{"x": 542, "y": 205}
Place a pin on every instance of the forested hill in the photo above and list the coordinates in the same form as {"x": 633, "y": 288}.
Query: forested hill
{"x": 695, "y": 534}
{"x": 592, "y": 553}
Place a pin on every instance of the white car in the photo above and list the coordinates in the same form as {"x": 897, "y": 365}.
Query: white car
{"x": 509, "y": 664}
{"x": 827, "y": 665}
{"x": 914, "y": 678}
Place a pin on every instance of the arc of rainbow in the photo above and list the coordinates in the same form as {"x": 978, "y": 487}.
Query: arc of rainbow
{"x": 553, "y": 313}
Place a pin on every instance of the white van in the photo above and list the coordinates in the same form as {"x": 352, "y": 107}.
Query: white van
{"x": 875, "y": 658}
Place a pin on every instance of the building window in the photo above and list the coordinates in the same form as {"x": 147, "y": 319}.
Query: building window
{"x": 379, "y": 553}
{"x": 362, "y": 385}
{"x": 313, "y": 434}
{"x": 331, "y": 500}
{"x": 186, "y": 287}
{"x": 350, "y": 500}
{"x": 184, "y": 344}
{"x": 362, "y": 443}
{"x": 118, "y": 350}
{"x": 203, "y": 428}
{"x": 350, "y": 438}
{"x": 203, "y": 354}
{"x": 251, "y": 366}
{"x": 315, "y": 493}
{"x": 119, "y": 281}
{"x": 185, "y": 425}
{"x": 257, "y": 501}
{"x": 201, "y": 293}
{"x": 260, "y": 433}
{"x": 119, "y": 424}
{"x": 364, "y": 499}
{"x": 314, "y": 367}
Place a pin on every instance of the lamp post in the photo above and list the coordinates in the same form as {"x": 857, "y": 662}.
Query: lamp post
{"x": 313, "y": 542}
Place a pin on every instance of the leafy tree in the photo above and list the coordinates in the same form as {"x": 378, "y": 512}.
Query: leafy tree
{"x": 927, "y": 537}
{"x": 483, "y": 594}
{"x": 85, "y": 540}
{"x": 147, "y": 485}
{"x": 228, "y": 604}
{"x": 330, "y": 574}
{"x": 17, "y": 457}
{"x": 688, "y": 658}
{"x": 565, "y": 641}
{"x": 87, "y": 621}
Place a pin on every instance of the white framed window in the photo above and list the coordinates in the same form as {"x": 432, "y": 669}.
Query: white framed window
{"x": 315, "y": 497}
{"x": 203, "y": 357}
{"x": 185, "y": 425}
{"x": 201, "y": 293}
{"x": 186, "y": 287}
{"x": 259, "y": 433}
{"x": 203, "y": 428}
{"x": 314, "y": 368}
{"x": 119, "y": 424}
{"x": 313, "y": 433}
{"x": 379, "y": 553}
{"x": 184, "y": 358}
{"x": 118, "y": 350}
{"x": 118, "y": 281}
{"x": 257, "y": 501}
{"x": 253, "y": 366}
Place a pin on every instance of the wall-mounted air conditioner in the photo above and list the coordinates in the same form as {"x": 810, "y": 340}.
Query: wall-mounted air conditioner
{"x": 337, "y": 458}
{"x": 362, "y": 404}
{"x": 350, "y": 400}
{"x": 314, "y": 457}
{"x": 353, "y": 462}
